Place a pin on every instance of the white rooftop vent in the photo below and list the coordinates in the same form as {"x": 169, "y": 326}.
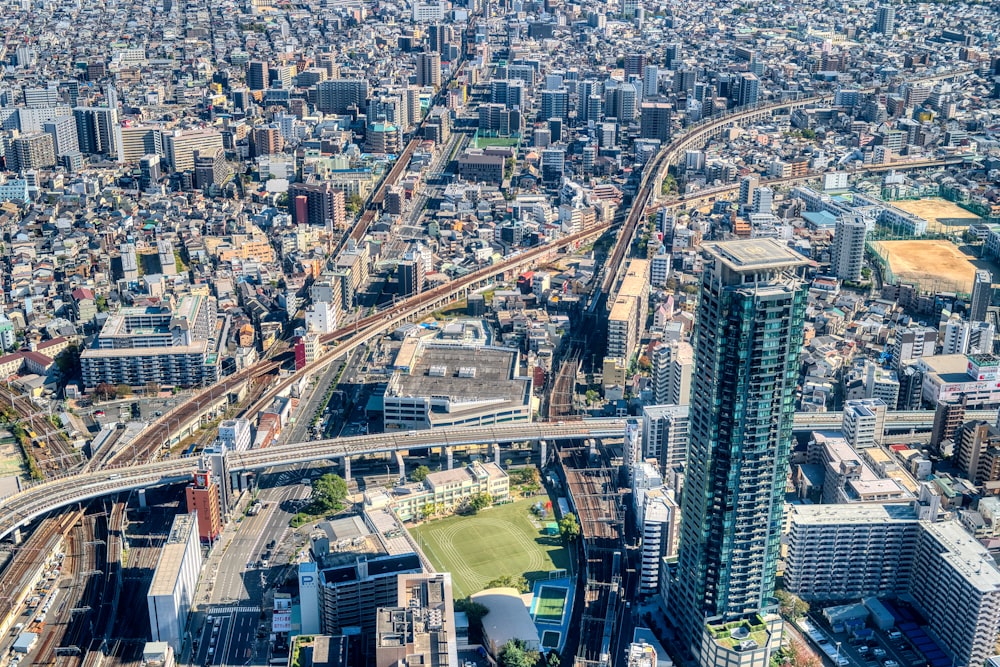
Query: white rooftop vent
{"x": 467, "y": 372}
{"x": 437, "y": 371}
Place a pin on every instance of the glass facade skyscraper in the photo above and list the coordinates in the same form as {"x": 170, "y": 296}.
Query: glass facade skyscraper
{"x": 748, "y": 338}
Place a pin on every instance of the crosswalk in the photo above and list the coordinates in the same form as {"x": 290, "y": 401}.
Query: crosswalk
{"x": 215, "y": 611}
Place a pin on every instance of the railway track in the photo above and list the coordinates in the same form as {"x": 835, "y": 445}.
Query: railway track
{"x": 593, "y": 493}
{"x": 50, "y": 447}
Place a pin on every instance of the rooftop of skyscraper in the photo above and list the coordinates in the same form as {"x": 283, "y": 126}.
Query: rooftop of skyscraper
{"x": 755, "y": 254}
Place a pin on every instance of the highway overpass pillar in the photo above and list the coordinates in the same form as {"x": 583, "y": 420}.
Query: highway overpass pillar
{"x": 402, "y": 466}
{"x": 543, "y": 451}
{"x": 450, "y": 454}
{"x": 347, "y": 468}
{"x": 17, "y": 536}
{"x": 496, "y": 453}
{"x": 142, "y": 497}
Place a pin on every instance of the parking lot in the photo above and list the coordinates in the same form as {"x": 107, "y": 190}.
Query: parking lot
{"x": 877, "y": 649}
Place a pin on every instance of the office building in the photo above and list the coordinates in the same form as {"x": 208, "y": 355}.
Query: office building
{"x": 202, "y": 496}
{"x": 171, "y": 592}
{"x": 180, "y": 146}
{"x": 863, "y": 422}
{"x": 749, "y": 335}
{"x": 885, "y": 23}
{"x": 847, "y": 254}
{"x": 627, "y": 319}
{"x": 308, "y": 575}
{"x": 982, "y": 295}
{"x": 429, "y": 69}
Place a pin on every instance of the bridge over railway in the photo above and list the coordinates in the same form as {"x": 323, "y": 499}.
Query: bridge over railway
{"x": 34, "y": 501}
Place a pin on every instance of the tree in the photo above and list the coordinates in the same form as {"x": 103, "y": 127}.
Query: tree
{"x": 354, "y": 204}
{"x": 645, "y": 365}
{"x": 101, "y": 302}
{"x": 105, "y": 391}
{"x": 480, "y": 501}
{"x": 515, "y": 654}
{"x": 518, "y": 581}
{"x": 473, "y": 610}
{"x": 569, "y": 527}
{"x": 420, "y": 473}
{"x": 790, "y": 605}
{"x": 553, "y": 659}
{"x": 592, "y": 396}
{"x": 123, "y": 391}
{"x": 329, "y": 492}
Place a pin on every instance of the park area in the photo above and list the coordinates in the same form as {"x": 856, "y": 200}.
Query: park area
{"x": 942, "y": 216}
{"x": 934, "y": 265}
{"x": 502, "y": 541}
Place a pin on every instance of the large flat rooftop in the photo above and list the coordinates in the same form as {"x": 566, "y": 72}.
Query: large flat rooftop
{"x": 754, "y": 254}
{"x": 853, "y": 513}
{"x": 462, "y": 374}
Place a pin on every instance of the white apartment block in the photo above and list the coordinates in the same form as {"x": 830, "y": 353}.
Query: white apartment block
{"x": 849, "y": 551}
{"x": 863, "y": 424}
{"x": 956, "y": 586}
{"x": 665, "y": 435}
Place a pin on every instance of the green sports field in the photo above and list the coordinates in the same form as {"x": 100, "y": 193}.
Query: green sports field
{"x": 503, "y": 540}
{"x": 550, "y": 605}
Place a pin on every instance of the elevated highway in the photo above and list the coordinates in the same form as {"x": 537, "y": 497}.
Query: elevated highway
{"x": 41, "y": 498}
{"x": 19, "y": 509}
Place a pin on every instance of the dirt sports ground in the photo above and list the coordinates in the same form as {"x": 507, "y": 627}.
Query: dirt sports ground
{"x": 934, "y": 265}
{"x": 941, "y": 215}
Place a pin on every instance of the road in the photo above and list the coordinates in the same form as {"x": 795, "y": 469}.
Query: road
{"x": 234, "y": 584}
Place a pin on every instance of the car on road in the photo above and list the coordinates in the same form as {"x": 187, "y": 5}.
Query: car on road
{"x": 98, "y": 413}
